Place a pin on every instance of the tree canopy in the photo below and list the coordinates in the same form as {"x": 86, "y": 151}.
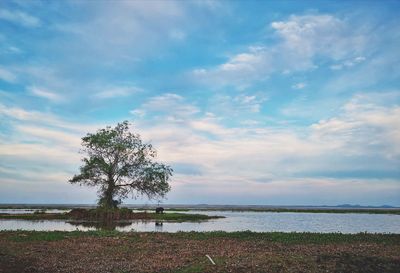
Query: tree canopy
{"x": 120, "y": 164}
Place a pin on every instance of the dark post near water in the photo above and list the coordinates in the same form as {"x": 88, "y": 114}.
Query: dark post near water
{"x": 120, "y": 164}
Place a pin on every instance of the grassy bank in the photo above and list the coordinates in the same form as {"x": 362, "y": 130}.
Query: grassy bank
{"x": 116, "y": 252}
{"x": 36, "y": 216}
{"x": 278, "y": 237}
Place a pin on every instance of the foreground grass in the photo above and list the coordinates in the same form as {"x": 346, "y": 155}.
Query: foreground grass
{"x": 278, "y": 237}
{"x": 26, "y": 236}
{"x": 116, "y": 252}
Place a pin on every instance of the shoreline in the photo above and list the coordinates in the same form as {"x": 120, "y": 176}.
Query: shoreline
{"x": 199, "y": 208}
{"x": 273, "y": 236}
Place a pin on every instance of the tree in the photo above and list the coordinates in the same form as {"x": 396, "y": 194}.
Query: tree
{"x": 119, "y": 164}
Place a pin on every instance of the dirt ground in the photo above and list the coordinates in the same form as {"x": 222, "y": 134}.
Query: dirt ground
{"x": 160, "y": 252}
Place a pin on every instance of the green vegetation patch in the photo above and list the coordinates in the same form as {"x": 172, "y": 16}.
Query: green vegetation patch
{"x": 25, "y": 236}
{"x": 194, "y": 268}
{"x": 295, "y": 237}
{"x": 36, "y": 216}
{"x": 180, "y": 217}
{"x": 165, "y": 209}
{"x": 280, "y": 237}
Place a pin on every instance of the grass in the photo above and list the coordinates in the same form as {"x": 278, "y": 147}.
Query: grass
{"x": 27, "y": 236}
{"x": 194, "y": 268}
{"x": 166, "y": 209}
{"x": 36, "y": 216}
{"x": 185, "y": 252}
{"x": 295, "y": 237}
{"x": 278, "y": 237}
{"x": 180, "y": 217}
{"x": 34, "y": 207}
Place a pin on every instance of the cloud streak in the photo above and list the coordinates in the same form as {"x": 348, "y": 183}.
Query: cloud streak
{"x": 43, "y": 93}
{"x": 7, "y": 76}
{"x": 19, "y": 17}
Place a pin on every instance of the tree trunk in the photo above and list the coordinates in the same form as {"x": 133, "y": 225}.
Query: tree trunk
{"x": 107, "y": 200}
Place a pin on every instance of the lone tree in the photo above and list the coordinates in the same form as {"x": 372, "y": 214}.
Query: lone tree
{"x": 119, "y": 163}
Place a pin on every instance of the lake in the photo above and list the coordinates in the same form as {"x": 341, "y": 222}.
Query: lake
{"x": 239, "y": 221}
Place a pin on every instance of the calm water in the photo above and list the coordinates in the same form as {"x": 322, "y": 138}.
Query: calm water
{"x": 238, "y": 221}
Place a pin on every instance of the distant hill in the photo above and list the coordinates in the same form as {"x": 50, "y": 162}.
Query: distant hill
{"x": 359, "y": 206}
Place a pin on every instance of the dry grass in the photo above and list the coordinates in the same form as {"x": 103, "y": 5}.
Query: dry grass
{"x": 185, "y": 252}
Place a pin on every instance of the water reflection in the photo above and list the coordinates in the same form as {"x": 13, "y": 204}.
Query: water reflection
{"x": 115, "y": 225}
{"x": 234, "y": 221}
{"x": 103, "y": 225}
{"x": 159, "y": 226}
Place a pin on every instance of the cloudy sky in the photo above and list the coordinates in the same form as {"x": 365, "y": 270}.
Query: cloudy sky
{"x": 250, "y": 102}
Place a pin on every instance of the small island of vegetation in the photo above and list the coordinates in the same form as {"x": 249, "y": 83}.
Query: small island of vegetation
{"x": 116, "y": 215}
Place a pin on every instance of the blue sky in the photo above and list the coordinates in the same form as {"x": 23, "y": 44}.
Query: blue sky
{"x": 250, "y": 102}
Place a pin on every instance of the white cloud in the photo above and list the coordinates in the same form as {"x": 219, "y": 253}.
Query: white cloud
{"x": 308, "y": 35}
{"x": 286, "y": 191}
{"x": 301, "y": 41}
{"x": 20, "y": 17}
{"x": 24, "y": 115}
{"x": 348, "y": 63}
{"x": 357, "y": 141}
{"x": 138, "y": 112}
{"x": 7, "y": 76}
{"x": 51, "y": 136}
{"x": 238, "y": 105}
{"x": 249, "y": 122}
{"x": 172, "y": 105}
{"x": 240, "y": 69}
{"x": 43, "y": 93}
{"x": 116, "y": 92}
{"x": 14, "y": 49}
{"x": 40, "y": 152}
{"x": 364, "y": 127}
{"x": 177, "y": 35}
{"x": 299, "y": 85}
{"x": 20, "y": 115}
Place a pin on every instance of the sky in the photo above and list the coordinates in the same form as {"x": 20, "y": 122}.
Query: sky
{"x": 250, "y": 102}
